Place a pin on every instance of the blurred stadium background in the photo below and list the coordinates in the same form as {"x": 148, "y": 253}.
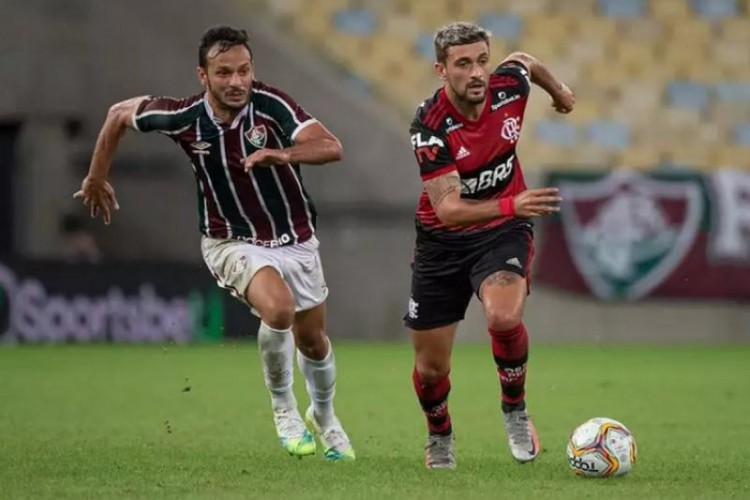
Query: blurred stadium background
{"x": 652, "y": 247}
{"x": 663, "y": 90}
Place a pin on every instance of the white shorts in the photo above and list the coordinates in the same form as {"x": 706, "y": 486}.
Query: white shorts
{"x": 234, "y": 264}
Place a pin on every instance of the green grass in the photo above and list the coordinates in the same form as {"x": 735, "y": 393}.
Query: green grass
{"x": 106, "y": 421}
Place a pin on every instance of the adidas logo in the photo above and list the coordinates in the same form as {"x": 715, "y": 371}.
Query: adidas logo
{"x": 462, "y": 153}
{"x": 514, "y": 262}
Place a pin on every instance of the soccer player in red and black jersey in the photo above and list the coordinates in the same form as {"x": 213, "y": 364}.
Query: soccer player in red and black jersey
{"x": 246, "y": 141}
{"x": 474, "y": 228}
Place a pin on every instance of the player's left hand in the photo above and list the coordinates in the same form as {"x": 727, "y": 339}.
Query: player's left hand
{"x": 266, "y": 158}
{"x": 564, "y": 99}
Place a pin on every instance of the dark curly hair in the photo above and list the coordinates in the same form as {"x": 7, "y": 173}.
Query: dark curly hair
{"x": 226, "y": 36}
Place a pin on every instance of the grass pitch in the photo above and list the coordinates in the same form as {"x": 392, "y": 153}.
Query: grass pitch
{"x": 195, "y": 422}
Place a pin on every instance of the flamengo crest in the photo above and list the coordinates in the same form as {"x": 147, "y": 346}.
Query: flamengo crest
{"x": 511, "y": 129}
{"x": 628, "y": 232}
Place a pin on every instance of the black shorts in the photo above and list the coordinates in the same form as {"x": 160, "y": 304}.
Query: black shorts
{"x": 445, "y": 274}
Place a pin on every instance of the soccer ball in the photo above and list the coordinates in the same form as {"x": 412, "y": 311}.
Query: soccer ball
{"x": 601, "y": 447}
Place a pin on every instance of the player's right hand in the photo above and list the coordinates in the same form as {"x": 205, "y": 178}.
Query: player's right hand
{"x": 99, "y": 196}
{"x": 537, "y": 202}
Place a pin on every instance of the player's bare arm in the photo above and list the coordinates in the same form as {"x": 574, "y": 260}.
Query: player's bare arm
{"x": 563, "y": 99}
{"x": 445, "y": 196}
{"x": 96, "y": 192}
{"x": 314, "y": 145}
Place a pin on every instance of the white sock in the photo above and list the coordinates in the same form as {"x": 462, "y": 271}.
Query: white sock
{"x": 320, "y": 377}
{"x": 277, "y": 354}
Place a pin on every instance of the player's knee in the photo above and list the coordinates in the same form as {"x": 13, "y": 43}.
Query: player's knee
{"x": 278, "y": 313}
{"x": 503, "y": 321}
{"x": 432, "y": 373}
{"x": 313, "y": 345}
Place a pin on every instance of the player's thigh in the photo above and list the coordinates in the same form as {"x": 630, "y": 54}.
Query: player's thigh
{"x": 432, "y": 351}
{"x": 302, "y": 269}
{"x": 251, "y": 273}
{"x": 440, "y": 289}
{"x": 271, "y": 297}
{"x": 500, "y": 279}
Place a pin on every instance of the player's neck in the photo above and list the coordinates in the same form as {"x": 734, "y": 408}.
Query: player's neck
{"x": 471, "y": 112}
{"x": 223, "y": 113}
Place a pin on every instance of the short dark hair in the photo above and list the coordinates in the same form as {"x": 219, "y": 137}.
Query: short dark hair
{"x": 458, "y": 33}
{"x": 226, "y": 36}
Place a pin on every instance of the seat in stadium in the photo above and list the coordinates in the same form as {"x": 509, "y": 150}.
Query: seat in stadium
{"x": 608, "y": 134}
{"x": 715, "y": 9}
{"x": 622, "y": 8}
{"x": 556, "y": 132}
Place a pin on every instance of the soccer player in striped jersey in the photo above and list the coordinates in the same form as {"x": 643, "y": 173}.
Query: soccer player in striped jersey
{"x": 246, "y": 141}
{"x": 474, "y": 229}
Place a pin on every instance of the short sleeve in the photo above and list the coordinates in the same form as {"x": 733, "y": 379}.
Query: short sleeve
{"x": 431, "y": 150}
{"x": 291, "y": 117}
{"x": 517, "y": 71}
{"x": 167, "y": 115}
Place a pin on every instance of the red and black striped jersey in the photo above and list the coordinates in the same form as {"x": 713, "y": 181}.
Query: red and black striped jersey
{"x": 483, "y": 152}
{"x": 267, "y": 206}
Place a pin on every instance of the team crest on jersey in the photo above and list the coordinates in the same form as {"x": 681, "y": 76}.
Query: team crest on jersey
{"x": 511, "y": 129}
{"x": 628, "y": 232}
{"x": 257, "y": 136}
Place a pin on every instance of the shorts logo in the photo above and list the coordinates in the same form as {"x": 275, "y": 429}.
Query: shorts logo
{"x": 514, "y": 262}
{"x": 511, "y": 130}
{"x": 240, "y": 265}
{"x": 413, "y": 308}
{"x": 257, "y": 136}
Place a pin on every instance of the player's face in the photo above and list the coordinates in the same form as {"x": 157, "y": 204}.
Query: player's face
{"x": 467, "y": 71}
{"x": 228, "y": 76}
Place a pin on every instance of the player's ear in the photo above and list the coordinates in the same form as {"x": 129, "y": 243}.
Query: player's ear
{"x": 440, "y": 70}
{"x": 202, "y": 76}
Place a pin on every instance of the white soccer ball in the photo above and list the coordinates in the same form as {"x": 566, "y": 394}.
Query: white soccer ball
{"x": 601, "y": 447}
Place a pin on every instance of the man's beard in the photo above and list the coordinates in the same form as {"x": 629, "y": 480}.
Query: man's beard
{"x": 225, "y": 104}
{"x": 470, "y": 100}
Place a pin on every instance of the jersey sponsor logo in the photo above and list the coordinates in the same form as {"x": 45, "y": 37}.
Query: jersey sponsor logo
{"x": 257, "y": 136}
{"x": 511, "y": 129}
{"x": 452, "y": 126}
{"x": 280, "y": 241}
{"x": 462, "y": 153}
{"x": 426, "y": 148}
{"x": 504, "y": 99}
{"x": 629, "y": 232}
{"x": 201, "y": 147}
{"x": 489, "y": 178}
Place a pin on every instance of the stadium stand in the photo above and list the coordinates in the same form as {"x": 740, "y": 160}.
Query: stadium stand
{"x": 659, "y": 83}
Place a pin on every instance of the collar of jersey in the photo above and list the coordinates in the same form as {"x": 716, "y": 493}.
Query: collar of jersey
{"x": 216, "y": 120}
